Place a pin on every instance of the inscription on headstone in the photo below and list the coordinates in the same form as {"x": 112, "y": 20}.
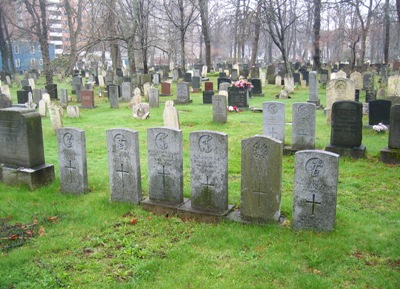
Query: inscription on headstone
{"x": 124, "y": 165}
{"x": 274, "y": 120}
{"x": 72, "y": 160}
{"x": 315, "y": 190}
{"x": 261, "y": 179}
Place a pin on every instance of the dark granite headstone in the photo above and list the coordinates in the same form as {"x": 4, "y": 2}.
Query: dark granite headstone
{"x": 222, "y": 75}
{"x": 391, "y": 154}
{"x": 237, "y": 97}
{"x": 357, "y": 95}
{"x": 52, "y": 90}
{"x": 257, "y": 87}
{"x": 21, "y": 149}
{"x": 296, "y": 77}
{"x": 346, "y": 130}
{"x": 379, "y": 111}
{"x": 188, "y": 77}
{"x": 22, "y": 96}
{"x": 207, "y": 96}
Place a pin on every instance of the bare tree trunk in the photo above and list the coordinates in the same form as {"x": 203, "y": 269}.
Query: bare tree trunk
{"x": 387, "y": 33}
{"x": 39, "y": 20}
{"x": 4, "y": 47}
{"x": 203, "y": 4}
{"x": 317, "y": 37}
{"x": 256, "y": 38}
{"x": 74, "y": 27}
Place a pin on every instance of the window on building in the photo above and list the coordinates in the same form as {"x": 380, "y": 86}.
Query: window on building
{"x": 33, "y": 62}
{"x": 17, "y": 62}
{"x": 16, "y": 49}
{"x": 40, "y": 61}
{"x": 32, "y": 49}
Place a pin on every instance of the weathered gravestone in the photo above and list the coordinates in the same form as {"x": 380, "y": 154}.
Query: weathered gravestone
{"x": 337, "y": 90}
{"x": 182, "y": 93}
{"x": 55, "y": 112}
{"x": 303, "y": 126}
{"x": 170, "y": 115}
{"x": 313, "y": 88}
{"x": 165, "y": 163}
{"x": 64, "y": 97}
{"x": 207, "y": 96}
{"x": 278, "y": 80}
{"x": 224, "y": 86}
{"x": 394, "y": 85}
{"x": 43, "y": 106}
{"x": 289, "y": 83}
{"x": 5, "y": 101}
{"x": 73, "y": 111}
{"x": 315, "y": 190}
{"x": 238, "y": 97}
{"x": 346, "y": 129}
{"x": 146, "y": 87}
{"x": 209, "y": 177}
{"x": 274, "y": 120}
{"x": 126, "y": 93}
{"x": 379, "y": 112}
{"x": 341, "y": 74}
{"x": 219, "y": 108}
{"x": 113, "y": 96}
{"x": 21, "y": 149}
{"x": 153, "y": 97}
{"x": 261, "y": 179}
{"x": 234, "y": 75}
{"x": 156, "y": 79}
{"x": 141, "y": 111}
{"x": 87, "y": 99}
{"x": 72, "y": 160}
{"x": 124, "y": 165}
{"x": 357, "y": 78}
{"x": 5, "y": 89}
{"x": 391, "y": 154}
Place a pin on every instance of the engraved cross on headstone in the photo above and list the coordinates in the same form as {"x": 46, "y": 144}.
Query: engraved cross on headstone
{"x": 163, "y": 173}
{"x": 258, "y": 194}
{"x": 70, "y": 168}
{"x": 122, "y": 172}
{"x": 313, "y": 202}
{"x": 273, "y": 133}
{"x": 207, "y": 185}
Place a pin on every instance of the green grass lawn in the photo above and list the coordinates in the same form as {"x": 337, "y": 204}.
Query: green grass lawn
{"x": 88, "y": 242}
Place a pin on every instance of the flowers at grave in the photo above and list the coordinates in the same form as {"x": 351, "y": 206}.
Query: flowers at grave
{"x": 243, "y": 84}
{"x": 380, "y": 127}
{"x": 233, "y": 108}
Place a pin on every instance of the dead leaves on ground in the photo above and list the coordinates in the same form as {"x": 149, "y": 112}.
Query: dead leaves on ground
{"x": 17, "y": 234}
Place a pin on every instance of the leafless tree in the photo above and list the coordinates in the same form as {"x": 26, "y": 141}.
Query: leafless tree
{"x": 39, "y": 27}
{"x": 182, "y": 14}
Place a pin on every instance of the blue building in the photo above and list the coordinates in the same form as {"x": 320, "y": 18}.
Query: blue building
{"x": 27, "y": 55}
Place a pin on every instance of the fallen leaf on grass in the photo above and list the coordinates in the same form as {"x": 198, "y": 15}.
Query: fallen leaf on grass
{"x": 52, "y": 219}
{"x": 133, "y": 221}
{"x": 41, "y": 231}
